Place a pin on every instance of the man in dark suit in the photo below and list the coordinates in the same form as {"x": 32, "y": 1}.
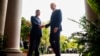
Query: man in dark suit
{"x": 55, "y": 23}
{"x": 35, "y": 34}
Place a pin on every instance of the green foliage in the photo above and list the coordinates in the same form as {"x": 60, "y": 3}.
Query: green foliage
{"x": 44, "y": 40}
{"x": 63, "y": 43}
{"x": 45, "y": 36}
{"x": 25, "y": 28}
{"x": 92, "y": 37}
{"x": 95, "y": 5}
{"x": 90, "y": 40}
{"x": 66, "y": 43}
{"x": 1, "y": 42}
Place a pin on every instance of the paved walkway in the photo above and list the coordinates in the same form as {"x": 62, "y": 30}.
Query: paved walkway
{"x": 54, "y": 54}
{"x": 61, "y": 55}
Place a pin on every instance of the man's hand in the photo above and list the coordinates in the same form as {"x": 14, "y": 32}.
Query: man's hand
{"x": 41, "y": 26}
{"x": 55, "y": 29}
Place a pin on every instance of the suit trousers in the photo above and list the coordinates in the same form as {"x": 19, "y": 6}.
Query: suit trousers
{"x": 34, "y": 45}
{"x": 55, "y": 42}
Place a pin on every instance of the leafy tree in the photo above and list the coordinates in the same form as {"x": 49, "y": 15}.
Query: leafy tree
{"x": 25, "y": 28}
{"x": 90, "y": 40}
{"x": 63, "y": 43}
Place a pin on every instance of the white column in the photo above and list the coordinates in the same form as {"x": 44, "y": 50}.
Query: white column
{"x": 3, "y": 8}
{"x": 13, "y": 25}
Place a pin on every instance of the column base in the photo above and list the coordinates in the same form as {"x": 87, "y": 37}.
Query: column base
{"x": 12, "y": 52}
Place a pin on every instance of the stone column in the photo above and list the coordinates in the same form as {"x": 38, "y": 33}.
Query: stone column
{"x": 13, "y": 25}
{"x": 3, "y": 8}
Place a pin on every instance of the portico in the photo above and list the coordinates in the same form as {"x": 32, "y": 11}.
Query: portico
{"x": 10, "y": 24}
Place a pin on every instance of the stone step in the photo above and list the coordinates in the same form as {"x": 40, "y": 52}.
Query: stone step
{"x": 14, "y": 54}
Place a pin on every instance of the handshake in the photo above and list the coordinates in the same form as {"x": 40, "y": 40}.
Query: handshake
{"x": 55, "y": 28}
{"x": 41, "y": 26}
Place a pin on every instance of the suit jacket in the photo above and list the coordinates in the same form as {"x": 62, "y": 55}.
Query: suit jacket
{"x": 56, "y": 19}
{"x": 35, "y": 30}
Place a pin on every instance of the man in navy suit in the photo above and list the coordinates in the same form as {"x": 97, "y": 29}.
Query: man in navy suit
{"x": 55, "y": 23}
{"x": 35, "y": 34}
